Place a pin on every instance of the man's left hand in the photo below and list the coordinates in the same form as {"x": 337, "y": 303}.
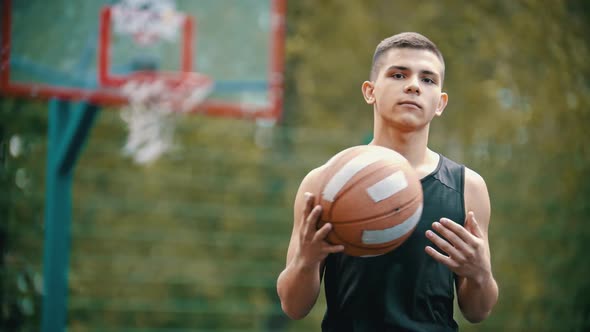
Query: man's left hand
{"x": 466, "y": 252}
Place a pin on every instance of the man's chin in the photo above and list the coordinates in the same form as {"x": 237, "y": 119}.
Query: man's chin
{"x": 406, "y": 124}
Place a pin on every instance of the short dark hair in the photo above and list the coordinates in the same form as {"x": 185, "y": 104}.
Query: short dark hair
{"x": 411, "y": 40}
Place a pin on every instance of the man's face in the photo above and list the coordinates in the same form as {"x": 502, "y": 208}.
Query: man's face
{"x": 407, "y": 91}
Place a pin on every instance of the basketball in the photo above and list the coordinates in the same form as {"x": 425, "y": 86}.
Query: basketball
{"x": 372, "y": 197}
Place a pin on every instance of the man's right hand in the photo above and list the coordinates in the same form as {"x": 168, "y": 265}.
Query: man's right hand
{"x": 298, "y": 286}
{"x": 313, "y": 247}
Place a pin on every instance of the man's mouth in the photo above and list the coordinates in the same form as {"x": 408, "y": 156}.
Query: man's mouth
{"x": 408, "y": 103}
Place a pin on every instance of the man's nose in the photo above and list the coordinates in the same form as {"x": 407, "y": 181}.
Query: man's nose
{"x": 413, "y": 86}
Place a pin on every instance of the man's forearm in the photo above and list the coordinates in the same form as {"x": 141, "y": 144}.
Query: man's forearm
{"x": 477, "y": 298}
{"x": 298, "y": 289}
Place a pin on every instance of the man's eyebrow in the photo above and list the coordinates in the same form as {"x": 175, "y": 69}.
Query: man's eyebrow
{"x": 428, "y": 72}
{"x": 397, "y": 67}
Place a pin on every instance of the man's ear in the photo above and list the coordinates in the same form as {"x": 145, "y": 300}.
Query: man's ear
{"x": 368, "y": 89}
{"x": 442, "y": 103}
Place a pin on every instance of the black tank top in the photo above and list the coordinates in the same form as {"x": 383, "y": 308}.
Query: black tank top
{"x": 406, "y": 289}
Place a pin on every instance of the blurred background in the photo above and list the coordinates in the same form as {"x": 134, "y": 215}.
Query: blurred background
{"x": 195, "y": 240}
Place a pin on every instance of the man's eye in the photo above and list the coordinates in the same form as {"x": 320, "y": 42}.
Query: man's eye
{"x": 398, "y": 75}
{"x": 428, "y": 80}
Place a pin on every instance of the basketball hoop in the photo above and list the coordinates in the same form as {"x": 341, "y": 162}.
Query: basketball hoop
{"x": 154, "y": 97}
{"x": 155, "y": 100}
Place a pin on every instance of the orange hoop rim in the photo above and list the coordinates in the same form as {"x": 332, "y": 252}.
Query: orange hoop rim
{"x": 185, "y": 91}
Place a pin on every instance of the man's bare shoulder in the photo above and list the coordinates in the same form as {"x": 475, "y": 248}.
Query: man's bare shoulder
{"x": 474, "y": 181}
{"x": 477, "y": 198}
{"x": 310, "y": 182}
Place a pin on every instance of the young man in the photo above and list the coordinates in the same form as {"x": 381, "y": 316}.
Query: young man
{"x": 411, "y": 288}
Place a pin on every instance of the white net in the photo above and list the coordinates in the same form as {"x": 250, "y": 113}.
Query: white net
{"x": 151, "y": 115}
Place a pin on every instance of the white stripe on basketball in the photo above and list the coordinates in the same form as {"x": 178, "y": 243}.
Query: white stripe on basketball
{"x": 392, "y": 233}
{"x": 388, "y": 187}
{"x": 353, "y": 166}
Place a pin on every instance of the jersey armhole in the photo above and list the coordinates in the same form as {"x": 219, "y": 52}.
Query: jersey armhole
{"x": 463, "y": 205}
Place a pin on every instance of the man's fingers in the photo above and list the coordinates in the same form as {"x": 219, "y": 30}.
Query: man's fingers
{"x": 446, "y": 260}
{"x": 444, "y": 245}
{"x": 308, "y": 205}
{"x": 322, "y": 233}
{"x": 463, "y": 233}
{"x": 453, "y": 238}
{"x": 311, "y": 222}
{"x": 473, "y": 225}
{"x": 332, "y": 249}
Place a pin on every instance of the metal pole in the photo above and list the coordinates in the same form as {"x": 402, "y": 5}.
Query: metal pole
{"x": 67, "y": 132}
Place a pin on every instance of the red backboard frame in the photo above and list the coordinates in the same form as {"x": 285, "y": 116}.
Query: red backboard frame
{"x": 108, "y": 79}
{"x": 110, "y": 97}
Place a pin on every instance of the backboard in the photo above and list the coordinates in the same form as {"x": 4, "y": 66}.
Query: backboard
{"x": 84, "y": 50}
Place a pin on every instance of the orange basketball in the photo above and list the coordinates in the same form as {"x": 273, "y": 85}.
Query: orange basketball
{"x": 372, "y": 197}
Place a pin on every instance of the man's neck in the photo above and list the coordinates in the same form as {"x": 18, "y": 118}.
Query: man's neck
{"x": 412, "y": 145}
